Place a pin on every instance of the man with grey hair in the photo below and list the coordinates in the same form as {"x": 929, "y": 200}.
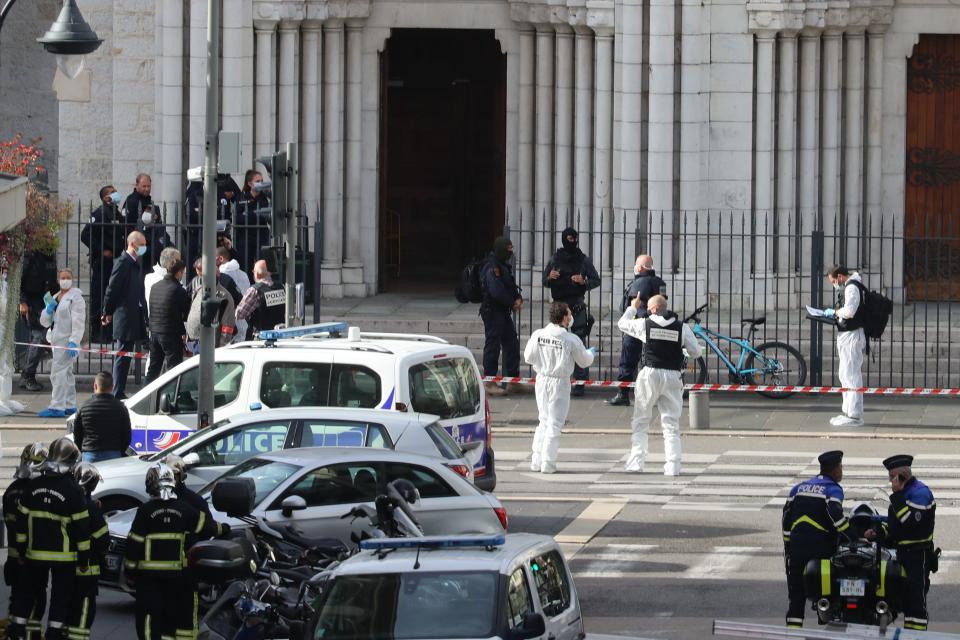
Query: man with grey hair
{"x": 169, "y": 304}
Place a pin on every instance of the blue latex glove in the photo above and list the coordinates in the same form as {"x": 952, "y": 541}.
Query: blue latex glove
{"x": 48, "y": 298}
{"x": 829, "y": 313}
{"x": 51, "y": 307}
{"x": 72, "y": 349}
{"x": 594, "y": 351}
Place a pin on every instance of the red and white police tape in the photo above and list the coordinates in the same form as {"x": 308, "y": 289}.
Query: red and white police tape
{"x": 872, "y": 391}
{"x": 139, "y": 355}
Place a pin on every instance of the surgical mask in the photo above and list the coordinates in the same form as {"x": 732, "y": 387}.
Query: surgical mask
{"x": 66, "y": 284}
{"x": 836, "y": 286}
{"x": 142, "y": 250}
{"x": 115, "y": 197}
{"x": 147, "y": 217}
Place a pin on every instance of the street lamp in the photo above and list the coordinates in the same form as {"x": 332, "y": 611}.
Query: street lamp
{"x": 69, "y": 38}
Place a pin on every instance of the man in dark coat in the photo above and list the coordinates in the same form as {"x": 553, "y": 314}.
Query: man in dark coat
{"x": 170, "y": 305}
{"x": 137, "y": 201}
{"x": 501, "y": 297}
{"x": 39, "y": 278}
{"x": 104, "y": 236}
{"x": 125, "y": 307}
{"x": 102, "y": 425}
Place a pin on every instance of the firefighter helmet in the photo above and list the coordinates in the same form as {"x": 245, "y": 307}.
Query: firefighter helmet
{"x": 87, "y": 476}
{"x": 179, "y": 467}
{"x": 33, "y": 456}
{"x": 160, "y": 481}
{"x": 63, "y": 455}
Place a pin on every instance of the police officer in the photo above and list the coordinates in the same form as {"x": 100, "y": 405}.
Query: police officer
{"x": 191, "y": 497}
{"x": 264, "y": 305}
{"x": 32, "y": 456}
{"x": 53, "y": 538}
{"x": 83, "y": 607}
{"x": 569, "y": 275}
{"x": 156, "y": 558}
{"x": 812, "y": 519}
{"x": 501, "y": 297}
{"x": 910, "y": 522}
{"x": 659, "y": 385}
{"x": 646, "y": 284}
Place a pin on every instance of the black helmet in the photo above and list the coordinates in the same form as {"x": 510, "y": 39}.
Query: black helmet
{"x": 179, "y": 467}
{"x": 31, "y": 458}
{"x": 63, "y": 455}
{"x": 407, "y": 490}
{"x": 161, "y": 481}
{"x": 87, "y": 476}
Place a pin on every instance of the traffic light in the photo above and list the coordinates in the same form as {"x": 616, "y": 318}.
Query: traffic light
{"x": 278, "y": 180}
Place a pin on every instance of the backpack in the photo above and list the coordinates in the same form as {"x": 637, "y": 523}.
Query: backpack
{"x": 470, "y": 288}
{"x": 879, "y": 308}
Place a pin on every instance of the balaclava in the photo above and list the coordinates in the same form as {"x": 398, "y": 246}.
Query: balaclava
{"x": 501, "y": 250}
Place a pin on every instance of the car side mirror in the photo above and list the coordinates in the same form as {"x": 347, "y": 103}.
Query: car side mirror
{"x": 234, "y": 496}
{"x": 291, "y": 504}
{"x": 191, "y": 459}
{"x": 472, "y": 451}
{"x": 166, "y": 407}
{"x": 533, "y": 626}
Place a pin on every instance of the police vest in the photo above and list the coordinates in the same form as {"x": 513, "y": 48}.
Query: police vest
{"x": 813, "y": 516}
{"x": 157, "y": 543}
{"x": 912, "y": 515}
{"x": 856, "y": 322}
{"x": 271, "y": 307}
{"x": 664, "y": 346}
{"x": 53, "y": 526}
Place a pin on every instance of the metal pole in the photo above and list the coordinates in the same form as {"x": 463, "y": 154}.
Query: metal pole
{"x": 816, "y": 301}
{"x": 293, "y": 208}
{"x": 208, "y": 332}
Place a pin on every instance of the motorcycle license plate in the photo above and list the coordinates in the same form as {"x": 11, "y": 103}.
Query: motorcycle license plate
{"x": 853, "y": 587}
{"x": 113, "y": 563}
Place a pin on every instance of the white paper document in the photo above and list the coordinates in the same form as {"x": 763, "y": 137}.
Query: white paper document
{"x": 816, "y": 313}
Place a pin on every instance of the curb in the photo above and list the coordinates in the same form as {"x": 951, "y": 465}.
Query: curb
{"x": 740, "y": 433}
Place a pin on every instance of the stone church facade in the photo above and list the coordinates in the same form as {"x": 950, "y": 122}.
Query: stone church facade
{"x": 424, "y": 121}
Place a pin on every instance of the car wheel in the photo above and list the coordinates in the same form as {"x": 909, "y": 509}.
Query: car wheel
{"x": 115, "y": 504}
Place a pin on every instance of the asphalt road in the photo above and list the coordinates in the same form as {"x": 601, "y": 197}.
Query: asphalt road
{"x": 663, "y": 557}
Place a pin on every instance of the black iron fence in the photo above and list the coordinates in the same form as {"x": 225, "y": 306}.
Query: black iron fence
{"x": 747, "y": 264}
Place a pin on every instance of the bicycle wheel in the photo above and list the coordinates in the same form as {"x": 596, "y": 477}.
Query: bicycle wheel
{"x": 694, "y": 371}
{"x": 778, "y": 364}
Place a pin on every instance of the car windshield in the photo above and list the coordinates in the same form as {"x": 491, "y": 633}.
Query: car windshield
{"x": 447, "y": 388}
{"x": 267, "y": 475}
{"x": 399, "y": 606}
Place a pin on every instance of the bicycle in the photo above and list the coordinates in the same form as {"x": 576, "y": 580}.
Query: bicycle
{"x": 771, "y": 363}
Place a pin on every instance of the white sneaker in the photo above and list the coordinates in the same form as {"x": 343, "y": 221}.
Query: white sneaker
{"x": 848, "y": 422}
{"x": 534, "y": 463}
{"x": 546, "y": 467}
{"x": 671, "y": 470}
{"x": 634, "y": 467}
{"x": 836, "y": 420}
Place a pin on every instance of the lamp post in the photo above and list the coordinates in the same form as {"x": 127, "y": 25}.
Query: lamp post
{"x": 69, "y": 37}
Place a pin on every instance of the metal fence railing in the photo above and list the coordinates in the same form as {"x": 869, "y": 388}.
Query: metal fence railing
{"x": 747, "y": 264}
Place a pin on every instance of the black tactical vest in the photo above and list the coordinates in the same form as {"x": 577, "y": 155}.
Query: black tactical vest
{"x": 664, "y": 346}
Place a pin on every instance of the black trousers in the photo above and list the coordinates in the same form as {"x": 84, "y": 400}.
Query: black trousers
{"x": 99, "y": 277}
{"x": 500, "y": 334}
{"x": 630, "y": 353}
{"x": 121, "y": 366}
{"x": 83, "y": 607}
{"x": 29, "y": 606}
{"x": 796, "y": 594}
{"x": 580, "y": 327}
{"x": 13, "y": 576}
{"x": 166, "y": 607}
{"x": 916, "y": 563}
{"x": 166, "y": 352}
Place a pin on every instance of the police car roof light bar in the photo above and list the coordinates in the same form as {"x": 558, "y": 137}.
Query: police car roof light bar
{"x": 331, "y": 329}
{"x": 433, "y": 542}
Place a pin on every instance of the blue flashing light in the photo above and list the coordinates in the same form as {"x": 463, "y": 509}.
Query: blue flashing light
{"x": 433, "y": 542}
{"x": 331, "y": 328}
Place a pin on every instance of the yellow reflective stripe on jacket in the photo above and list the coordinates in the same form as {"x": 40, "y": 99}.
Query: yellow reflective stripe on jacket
{"x": 882, "y": 589}
{"x": 844, "y": 526}
{"x": 46, "y": 515}
{"x": 166, "y": 565}
{"x": 12, "y": 552}
{"x": 135, "y": 537}
{"x": 902, "y": 511}
{"x": 807, "y": 520}
{"x": 92, "y": 570}
{"x": 927, "y": 539}
{"x": 99, "y": 533}
{"x": 83, "y": 545}
{"x": 825, "y": 577}
{"x": 80, "y": 515}
{"x": 200, "y": 522}
{"x": 51, "y": 556}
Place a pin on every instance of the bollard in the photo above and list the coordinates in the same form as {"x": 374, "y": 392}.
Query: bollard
{"x": 699, "y": 409}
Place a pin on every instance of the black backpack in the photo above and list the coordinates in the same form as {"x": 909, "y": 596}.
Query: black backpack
{"x": 878, "y": 309}
{"x": 470, "y": 288}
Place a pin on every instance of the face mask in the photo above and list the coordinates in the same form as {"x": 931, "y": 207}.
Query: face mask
{"x": 66, "y": 284}
{"x": 142, "y": 250}
{"x": 115, "y": 197}
{"x": 836, "y": 286}
{"x": 147, "y": 217}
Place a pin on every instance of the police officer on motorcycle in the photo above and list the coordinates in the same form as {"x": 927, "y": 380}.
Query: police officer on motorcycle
{"x": 156, "y": 558}
{"x": 812, "y": 519}
{"x": 83, "y": 606}
{"x": 910, "y": 522}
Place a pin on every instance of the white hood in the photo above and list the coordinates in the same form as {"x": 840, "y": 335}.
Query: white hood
{"x": 228, "y": 267}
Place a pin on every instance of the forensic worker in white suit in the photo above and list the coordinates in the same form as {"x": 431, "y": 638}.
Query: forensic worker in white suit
{"x": 552, "y": 352}
{"x": 65, "y": 317}
{"x": 665, "y": 337}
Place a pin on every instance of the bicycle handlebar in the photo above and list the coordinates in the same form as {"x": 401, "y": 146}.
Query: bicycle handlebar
{"x": 695, "y": 315}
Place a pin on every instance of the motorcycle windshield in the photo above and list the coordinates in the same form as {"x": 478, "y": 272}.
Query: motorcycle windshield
{"x": 410, "y": 606}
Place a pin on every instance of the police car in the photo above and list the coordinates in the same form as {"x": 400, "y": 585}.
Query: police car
{"x": 328, "y": 364}
{"x": 460, "y": 587}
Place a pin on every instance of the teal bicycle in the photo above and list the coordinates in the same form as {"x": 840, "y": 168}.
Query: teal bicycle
{"x": 771, "y": 363}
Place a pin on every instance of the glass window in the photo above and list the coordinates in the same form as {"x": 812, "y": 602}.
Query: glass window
{"x": 553, "y": 585}
{"x": 236, "y": 445}
{"x": 182, "y": 392}
{"x": 446, "y": 445}
{"x": 410, "y": 605}
{"x": 428, "y": 483}
{"x": 353, "y": 385}
{"x": 519, "y": 601}
{"x": 295, "y": 384}
{"x": 335, "y": 484}
{"x": 447, "y": 388}
{"x": 267, "y": 476}
{"x": 342, "y": 433}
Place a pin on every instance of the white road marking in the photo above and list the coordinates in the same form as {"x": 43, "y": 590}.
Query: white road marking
{"x": 722, "y": 563}
{"x": 588, "y": 524}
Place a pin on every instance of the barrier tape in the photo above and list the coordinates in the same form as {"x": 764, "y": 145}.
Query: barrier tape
{"x": 870, "y": 391}
{"x": 138, "y": 355}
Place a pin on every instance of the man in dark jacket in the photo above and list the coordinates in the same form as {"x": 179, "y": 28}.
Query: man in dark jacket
{"x": 170, "y": 304}
{"x": 501, "y": 297}
{"x": 646, "y": 284}
{"x": 104, "y": 236}
{"x": 137, "y": 201}
{"x": 125, "y": 307}
{"x": 569, "y": 275}
{"x": 102, "y": 425}
{"x": 39, "y": 278}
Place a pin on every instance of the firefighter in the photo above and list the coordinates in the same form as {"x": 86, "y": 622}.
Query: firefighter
{"x": 32, "y": 456}
{"x": 83, "y": 607}
{"x": 191, "y": 497}
{"x": 910, "y": 520}
{"x": 812, "y": 519}
{"x": 53, "y": 540}
{"x": 156, "y": 558}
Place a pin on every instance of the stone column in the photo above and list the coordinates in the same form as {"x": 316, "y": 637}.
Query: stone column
{"x": 563, "y": 131}
{"x": 525, "y": 147}
{"x": 809, "y": 136}
{"x": 583, "y": 130}
{"x": 236, "y": 99}
{"x": 310, "y": 119}
{"x": 510, "y": 46}
{"x": 853, "y": 145}
{"x": 353, "y": 262}
{"x": 374, "y": 40}
{"x": 830, "y": 138}
{"x": 265, "y": 88}
{"x": 786, "y": 149}
{"x": 874, "y": 129}
{"x": 198, "y": 79}
{"x": 660, "y": 160}
{"x": 763, "y": 204}
{"x": 603, "y": 148}
{"x": 288, "y": 107}
{"x": 333, "y": 235}
{"x": 544, "y": 145}
{"x": 170, "y": 104}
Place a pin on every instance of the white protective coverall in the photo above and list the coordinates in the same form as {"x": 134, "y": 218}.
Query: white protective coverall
{"x": 232, "y": 269}
{"x": 552, "y": 352}
{"x": 850, "y": 347}
{"x": 152, "y": 278}
{"x": 662, "y": 388}
{"x": 66, "y": 325}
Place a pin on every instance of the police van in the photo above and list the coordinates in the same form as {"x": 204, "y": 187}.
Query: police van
{"x": 325, "y": 365}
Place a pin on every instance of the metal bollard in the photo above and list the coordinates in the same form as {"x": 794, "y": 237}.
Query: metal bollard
{"x": 699, "y": 409}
